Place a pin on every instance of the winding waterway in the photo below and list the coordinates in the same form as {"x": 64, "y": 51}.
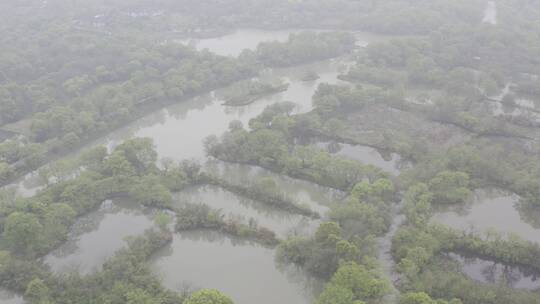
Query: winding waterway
{"x": 204, "y": 258}
{"x": 178, "y": 131}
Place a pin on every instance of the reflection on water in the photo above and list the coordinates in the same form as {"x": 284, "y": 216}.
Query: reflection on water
{"x": 7, "y": 297}
{"x": 244, "y": 271}
{"x": 178, "y": 131}
{"x": 233, "y": 44}
{"x": 490, "y": 209}
{"x": 281, "y": 222}
{"x": 491, "y": 272}
{"x": 389, "y": 162}
{"x": 97, "y": 236}
{"x": 317, "y": 198}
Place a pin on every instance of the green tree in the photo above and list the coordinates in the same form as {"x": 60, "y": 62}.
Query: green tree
{"x": 363, "y": 283}
{"x": 22, "y": 231}
{"x": 150, "y": 192}
{"x": 93, "y": 158}
{"x": 418, "y": 200}
{"x": 336, "y": 294}
{"x": 162, "y": 220}
{"x": 361, "y": 190}
{"x": 140, "y": 153}
{"x": 450, "y": 187}
{"x": 118, "y": 165}
{"x": 37, "y": 291}
{"x": 5, "y": 172}
{"x": 423, "y": 298}
{"x": 208, "y": 296}
{"x": 139, "y": 296}
{"x": 383, "y": 189}
{"x": 328, "y": 231}
{"x": 347, "y": 250}
{"x": 57, "y": 219}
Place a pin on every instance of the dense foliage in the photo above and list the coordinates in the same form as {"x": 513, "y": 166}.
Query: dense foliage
{"x": 454, "y": 96}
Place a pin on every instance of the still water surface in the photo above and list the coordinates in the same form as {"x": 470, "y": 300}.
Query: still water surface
{"x": 490, "y": 209}
{"x": 233, "y": 206}
{"x": 96, "y": 236}
{"x": 245, "y": 271}
{"x": 234, "y": 43}
{"x": 390, "y": 162}
{"x": 208, "y": 259}
{"x": 317, "y": 198}
{"x": 492, "y": 272}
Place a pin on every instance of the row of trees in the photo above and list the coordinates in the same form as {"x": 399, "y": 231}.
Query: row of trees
{"x": 35, "y": 225}
{"x": 268, "y": 144}
{"x": 199, "y": 216}
{"x": 305, "y": 47}
{"x": 124, "y": 278}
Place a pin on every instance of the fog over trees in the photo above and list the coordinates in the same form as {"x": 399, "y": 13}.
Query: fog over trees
{"x": 269, "y": 151}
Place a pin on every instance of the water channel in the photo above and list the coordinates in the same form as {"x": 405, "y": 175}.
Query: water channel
{"x": 233, "y": 206}
{"x": 490, "y": 209}
{"x": 390, "y": 162}
{"x": 493, "y": 273}
{"x": 245, "y": 271}
{"x": 204, "y": 258}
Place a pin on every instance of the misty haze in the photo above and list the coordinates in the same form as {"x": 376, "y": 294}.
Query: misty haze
{"x": 269, "y": 151}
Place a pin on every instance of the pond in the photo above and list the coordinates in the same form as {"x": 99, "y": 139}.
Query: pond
{"x": 96, "y": 236}
{"x": 244, "y": 271}
{"x": 490, "y": 209}
{"x": 234, "y": 206}
{"x": 317, "y": 198}
{"x": 492, "y": 272}
{"x": 389, "y": 162}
